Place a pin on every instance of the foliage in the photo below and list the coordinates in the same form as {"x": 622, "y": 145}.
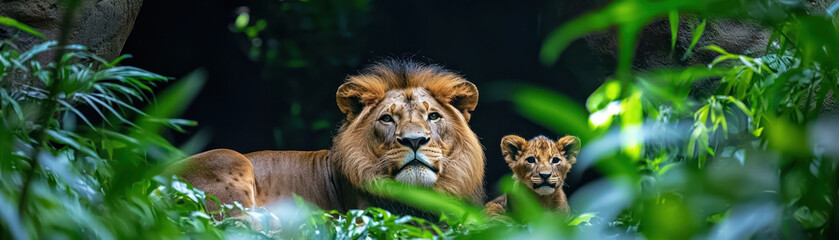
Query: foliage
{"x": 755, "y": 159}
{"x": 760, "y": 129}
{"x": 23, "y": 27}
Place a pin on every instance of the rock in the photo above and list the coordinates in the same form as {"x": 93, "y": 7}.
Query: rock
{"x": 102, "y": 26}
{"x": 653, "y": 51}
{"x": 737, "y": 36}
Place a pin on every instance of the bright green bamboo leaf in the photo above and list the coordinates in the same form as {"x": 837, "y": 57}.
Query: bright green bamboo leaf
{"x": 607, "y": 92}
{"x": 242, "y": 21}
{"x": 632, "y": 118}
{"x": 673, "y": 17}
{"x": 717, "y": 49}
{"x": 553, "y": 110}
{"x": 697, "y": 33}
{"x": 23, "y": 27}
{"x": 522, "y": 200}
{"x": 786, "y": 137}
{"x": 629, "y": 15}
{"x": 174, "y": 100}
{"x": 582, "y": 218}
{"x": 560, "y": 38}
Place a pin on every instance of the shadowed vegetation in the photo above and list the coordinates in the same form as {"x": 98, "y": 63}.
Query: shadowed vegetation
{"x": 82, "y": 156}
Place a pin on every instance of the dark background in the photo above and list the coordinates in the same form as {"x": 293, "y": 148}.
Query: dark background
{"x": 276, "y": 90}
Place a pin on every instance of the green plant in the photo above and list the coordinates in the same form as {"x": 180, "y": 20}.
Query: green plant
{"x": 752, "y": 160}
{"x": 756, "y": 130}
{"x": 62, "y": 178}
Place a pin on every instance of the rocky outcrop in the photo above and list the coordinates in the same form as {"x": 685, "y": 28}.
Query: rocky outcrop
{"x": 653, "y": 50}
{"x": 101, "y": 25}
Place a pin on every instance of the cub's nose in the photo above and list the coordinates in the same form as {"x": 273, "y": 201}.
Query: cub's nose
{"x": 545, "y": 176}
{"x": 413, "y": 142}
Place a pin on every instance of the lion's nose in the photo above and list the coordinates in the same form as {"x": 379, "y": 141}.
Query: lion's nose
{"x": 545, "y": 175}
{"x": 413, "y": 142}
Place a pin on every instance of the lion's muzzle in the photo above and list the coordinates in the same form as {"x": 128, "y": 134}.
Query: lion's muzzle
{"x": 418, "y": 170}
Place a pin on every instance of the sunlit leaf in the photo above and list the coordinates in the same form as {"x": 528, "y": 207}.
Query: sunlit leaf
{"x": 582, "y": 218}
{"x": 673, "y": 18}
{"x": 631, "y": 120}
{"x": 522, "y": 200}
{"x": 697, "y": 33}
{"x": 552, "y": 110}
{"x": 23, "y": 27}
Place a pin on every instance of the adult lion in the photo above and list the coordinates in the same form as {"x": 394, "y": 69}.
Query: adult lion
{"x": 404, "y": 120}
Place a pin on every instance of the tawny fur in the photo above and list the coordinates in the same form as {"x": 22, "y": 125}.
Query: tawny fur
{"x": 542, "y": 152}
{"x": 365, "y": 147}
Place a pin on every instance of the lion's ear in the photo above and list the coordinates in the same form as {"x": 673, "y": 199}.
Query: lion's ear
{"x": 461, "y": 94}
{"x": 465, "y": 98}
{"x": 511, "y": 146}
{"x": 352, "y": 97}
{"x": 571, "y": 146}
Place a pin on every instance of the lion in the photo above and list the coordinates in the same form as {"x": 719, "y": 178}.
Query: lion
{"x": 405, "y": 121}
{"x": 542, "y": 165}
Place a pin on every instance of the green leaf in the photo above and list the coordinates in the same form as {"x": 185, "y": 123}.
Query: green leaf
{"x": 628, "y": 15}
{"x": 810, "y": 219}
{"x": 174, "y": 100}
{"x": 522, "y": 200}
{"x": 553, "y": 110}
{"x": 582, "y": 218}
{"x": 673, "y": 17}
{"x": 607, "y": 92}
{"x": 632, "y": 117}
{"x": 23, "y": 27}
{"x": 697, "y": 33}
{"x": 428, "y": 200}
{"x": 786, "y": 137}
{"x": 63, "y": 138}
{"x": 242, "y": 21}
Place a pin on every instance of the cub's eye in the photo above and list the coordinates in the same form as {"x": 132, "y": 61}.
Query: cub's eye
{"x": 386, "y": 118}
{"x": 555, "y": 160}
{"x": 530, "y": 160}
{"x": 434, "y": 116}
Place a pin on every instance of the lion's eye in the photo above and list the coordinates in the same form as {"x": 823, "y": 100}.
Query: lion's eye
{"x": 530, "y": 160}
{"x": 434, "y": 116}
{"x": 386, "y": 118}
{"x": 555, "y": 160}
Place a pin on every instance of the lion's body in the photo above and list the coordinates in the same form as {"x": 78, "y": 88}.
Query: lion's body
{"x": 279, "y": 174}
{"x": 405, "y": 121}
{"x": 254, "y": 179}
{"x": 541, "y": 165}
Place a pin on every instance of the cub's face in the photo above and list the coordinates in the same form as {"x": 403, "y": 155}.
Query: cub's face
{"x": 541, "y": 164}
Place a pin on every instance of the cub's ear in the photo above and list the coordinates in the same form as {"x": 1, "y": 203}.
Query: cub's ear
{"x": 511, "y": 146}
{"x": 352, "y": 97}
{"x": 571, "y": 146}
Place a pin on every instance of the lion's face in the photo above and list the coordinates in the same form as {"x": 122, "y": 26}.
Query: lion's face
{"x": 411, "y": 130}
{"x": 408, "y": 122}
{"x": 540, "y": 163}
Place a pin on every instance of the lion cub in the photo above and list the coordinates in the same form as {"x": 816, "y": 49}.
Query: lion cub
{"x": 541, "y": 164}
